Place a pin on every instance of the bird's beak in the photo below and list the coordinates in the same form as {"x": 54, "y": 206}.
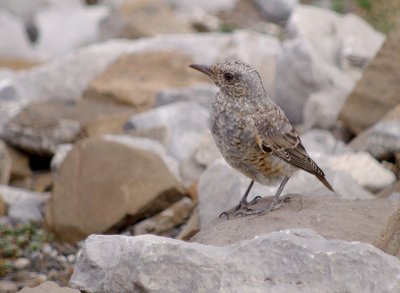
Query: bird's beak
{"x": 206, "y": 69}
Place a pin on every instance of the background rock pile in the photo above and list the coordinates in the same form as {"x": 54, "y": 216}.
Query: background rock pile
{"x": 104, "y": 130}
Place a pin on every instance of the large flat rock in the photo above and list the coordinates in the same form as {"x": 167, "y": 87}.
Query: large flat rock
{"x": 297, "y": 260}
{"x": 374, "y": 221}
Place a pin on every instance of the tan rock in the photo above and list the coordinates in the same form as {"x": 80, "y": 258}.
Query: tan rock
{"x": 17, "y": 64}
{"x": 378, "y": 90}
{"x": 146, "y": 18}
{"x": 41, "y": 127}
{"x": 48, "y": 287}
{"x": 191, "y": 227}
{"x": 20, "y": 164}
{"x": 136, "y": 78}
{"x": 3, "y": 208}
{"x": 171, "y": 217}
{"x": 387, "y": 192}
{"x": 374, "y": 221}
{"x": 103, "y": 181}
{"x": 5, "y": 164}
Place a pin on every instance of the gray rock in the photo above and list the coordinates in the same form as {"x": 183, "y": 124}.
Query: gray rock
{"x": 221, "y": 187}
{"x": 293, "y": 88}
{"x": 60, "y": 154}
{"x": 200, "y": 93}
{"x": 48, "y": 287}
{"x": 15, "y": 43}
{"x": 322, "y": 141}
{"x": 23, "y": 205}
{"x": 286, "y": 261}
{"x": 209, "y": 6}
{"x": 277, "y": 11}
{"x": 185, "y": 122}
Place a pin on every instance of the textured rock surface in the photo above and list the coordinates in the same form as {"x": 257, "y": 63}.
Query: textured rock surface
{"x": 93, "y": 192}
{"x": 135, "y": 79}
{"x": 372, "y": 221}
{"x": 377, "y": 92}
{"x": 5, "y": 164}
{"x": 221, "y": 187}
{"x": 155, "y": 264}
{"x": 277, "y": 11}
{"x": 41, "y": 127}
{"x": 48, "y": 287}
{"x": 23, "y": 205}
{"x": 382, "y": 140}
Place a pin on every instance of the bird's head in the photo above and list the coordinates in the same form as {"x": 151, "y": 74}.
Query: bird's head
{"x": 233, "y": 77}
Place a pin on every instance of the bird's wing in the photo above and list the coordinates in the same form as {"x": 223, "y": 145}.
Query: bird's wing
{"x": 280, "y": 139}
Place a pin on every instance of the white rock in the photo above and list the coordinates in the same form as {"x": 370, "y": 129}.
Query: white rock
{"x": 67, "y": 26}
{"x": 209, "y": 6}
{"x": 14, "y": 41}
{"x": 23, "y": 205}
{"x": 59, "y": 156}
{"x": 297, "y": 260}
{"x": 346, "y": 41}
{"x": 322, "y": 141}
{"x": 25, "y": 10}
{"x": 365, "y": 169}
{"x": 185, "y": 122}
{"x": 277, "y": 11}
{"x": 302, "y": 72}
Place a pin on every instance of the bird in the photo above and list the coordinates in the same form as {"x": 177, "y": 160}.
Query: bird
{"x": 253, "y": 133}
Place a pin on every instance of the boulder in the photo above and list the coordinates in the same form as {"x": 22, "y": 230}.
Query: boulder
{"x": 377, "y": 92}
{"x": 135, "y": 79}
{"x": 323, "y": 141}
{"x": 23, "y": 205}
{"x": 5, "y": 164}
{"x": 106, "y": 180}
{"x": 191, "y": 227}
{"x": 293, "y": 88}
{"x": 285, "y": 261}
{"x": 373, "y": 221}
{"x": 382, "y": 139}
{"x": 221, "y": 187}
{"x": 41, "y": 127}
{"x": 48, "y": 287}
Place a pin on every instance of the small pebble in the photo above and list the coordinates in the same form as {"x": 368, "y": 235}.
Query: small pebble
{"x": 71, "y": 258}
{"x": 47, "y": 248}
{"x": 62, "y": 258}
{"x": 22, "y": 263}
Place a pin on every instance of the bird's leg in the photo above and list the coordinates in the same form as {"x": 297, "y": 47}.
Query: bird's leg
{"x": 275, "y": 202}
{"x": 243, "y": 202}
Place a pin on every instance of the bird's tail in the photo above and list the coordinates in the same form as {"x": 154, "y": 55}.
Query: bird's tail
{"x": 325, "y": 182}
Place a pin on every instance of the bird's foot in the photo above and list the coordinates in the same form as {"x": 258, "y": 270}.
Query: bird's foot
{"x": 240, "y": 208}
{"x": 274, "y": 205}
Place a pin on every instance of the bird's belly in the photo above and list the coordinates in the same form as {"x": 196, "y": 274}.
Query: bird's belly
{"x": 238, "y": 146}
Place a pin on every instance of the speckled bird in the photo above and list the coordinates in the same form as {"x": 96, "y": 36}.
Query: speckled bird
{"x": 252, "y": 133}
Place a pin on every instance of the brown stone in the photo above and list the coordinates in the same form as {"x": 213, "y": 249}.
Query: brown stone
{"x": 171, "y": 217}
{"x": 5, "y": 164}
{"x": 377, "y": 91}
{"x": 17, "y": 64}
{"x": 375, "y": 221}
{"x": 20, "y": 164}
{"x": 146, "y": 18}
{"x": 136, "y": 78}
{"x": 191, "y": 227}
{"x": 41, "y": 127}
{"x": 390, "y": 190}
{"x": 102, "y": 182}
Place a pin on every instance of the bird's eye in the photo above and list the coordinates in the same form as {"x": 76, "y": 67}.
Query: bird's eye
{"x": 228, "y": 76}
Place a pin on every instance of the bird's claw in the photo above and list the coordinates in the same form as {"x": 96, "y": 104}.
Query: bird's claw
{"x": 240, "y": 209}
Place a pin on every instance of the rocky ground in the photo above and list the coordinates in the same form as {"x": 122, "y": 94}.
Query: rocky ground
{"x": 104, "y": 140}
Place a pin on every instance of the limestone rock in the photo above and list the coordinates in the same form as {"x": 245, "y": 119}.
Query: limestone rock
{"x": 377, "y": 92}
{"x": 117, "y": 178}
{"x": 221, "y": 187}
{"x": 173, "y": 216}
{"x": 276, "y": 11}
{"x": 191, "y": 227}
{"x": 23, "y": 205}
{"x": 59, "y": 156}
{"x": 210, "y": 6}
{"x": 41, "y": 127}
{"x": 155, "y": 264}
{"x": 19, "y": 164}
{"x": 365, "y": 169}
{"x": 48, "y": 287}
{"x": 5, "y": 164}
{"x": 135, "y": 79}
{"x": 373, "y": 221}
{"x": 322, "y": 141}
{"x": 382, "y": 140}
{"x": 293, "y": 88}
{"x": 185, "y": 124}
